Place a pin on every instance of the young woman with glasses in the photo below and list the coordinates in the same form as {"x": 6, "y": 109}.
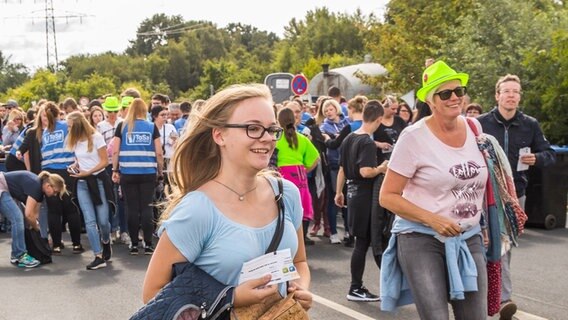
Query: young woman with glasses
{"x": 223, "y": 211}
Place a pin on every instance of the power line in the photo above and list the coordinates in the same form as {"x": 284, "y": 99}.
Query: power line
{"x": 49, "y": 16}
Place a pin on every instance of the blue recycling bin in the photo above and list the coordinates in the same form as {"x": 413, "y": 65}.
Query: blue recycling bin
{"x": 547, "y": 193}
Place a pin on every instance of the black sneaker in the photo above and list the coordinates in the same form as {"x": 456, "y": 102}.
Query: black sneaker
{"x": 309, "y": 242}
{"x": 107, "y": 251}
{"x": 362, "y": 295}
{"x": 148, "y": 250}
{"x": 78, "y": 249}
{"x": 349, "y": 242}
{"x": 133, "y": 250}
{"x": 97, "y": 264}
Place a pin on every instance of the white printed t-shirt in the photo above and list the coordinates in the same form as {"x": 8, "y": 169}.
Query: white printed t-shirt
{"x": 89, "y": 160}
{"x": 444, "y": 180}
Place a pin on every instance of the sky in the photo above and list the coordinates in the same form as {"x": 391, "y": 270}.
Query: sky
{"x": 107, "y": 25}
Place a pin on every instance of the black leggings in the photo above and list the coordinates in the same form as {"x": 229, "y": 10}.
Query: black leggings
{"x": 358, "y": 259}
{"x": 59, "y": 208}
{"x": 138, "y": 191}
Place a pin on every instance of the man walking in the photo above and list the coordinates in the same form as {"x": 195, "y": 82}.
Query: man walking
{"x": 359, "y": 168}
{"x": 525, "y": 145}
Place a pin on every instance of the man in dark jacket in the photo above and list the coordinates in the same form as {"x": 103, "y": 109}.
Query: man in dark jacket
{"x": 525, "y": 145}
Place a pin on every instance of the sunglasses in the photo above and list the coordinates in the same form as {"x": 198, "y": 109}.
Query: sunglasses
{"x": 447, "y": 94}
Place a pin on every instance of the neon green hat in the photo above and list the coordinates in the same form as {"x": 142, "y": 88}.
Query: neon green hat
{"x": 435, "y": 75}
{"x": 111, "y": 104}
{"x": 126, "y": 101}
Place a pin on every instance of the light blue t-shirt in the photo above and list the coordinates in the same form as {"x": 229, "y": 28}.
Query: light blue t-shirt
{"x": 220, "y": 246}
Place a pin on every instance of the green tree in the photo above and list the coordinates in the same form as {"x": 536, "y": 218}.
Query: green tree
{"x": 413, "y": 31}
{"x": 11, "y": 74}
{"x": 155, "y": 32}
{"x": 548, "y": 74}
{"x": 43, "y": 85}
{"x": 495, "y": 39}
{"x": 92, "y": 87}
{"x": 321, "y": 33}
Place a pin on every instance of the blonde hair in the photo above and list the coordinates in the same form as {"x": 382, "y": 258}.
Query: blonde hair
{"x": 137, "y": 110}
{"x": 81, "y": 130}
{"x": 197, "y": 147}
{"x": 325, "y": 104}
{"x": 17, "y": 114}
{"x": 357, "y": 103}
{"x": 54, "y": 180}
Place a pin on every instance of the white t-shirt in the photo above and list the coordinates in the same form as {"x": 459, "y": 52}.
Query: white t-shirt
{"x": 107, "y": 130}
{"x": 166, "y": 133}
{"x": 89, "y": 160}
{"x": 444, "y": 180}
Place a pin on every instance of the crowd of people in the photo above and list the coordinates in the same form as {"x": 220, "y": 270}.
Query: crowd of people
{"x": 409, "y": 182}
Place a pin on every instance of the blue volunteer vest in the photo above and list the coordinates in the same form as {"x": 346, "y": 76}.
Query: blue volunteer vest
{"x": 137, "y": 151}
{"x": 53, "y": 153}
{"x": 18, "y": 143}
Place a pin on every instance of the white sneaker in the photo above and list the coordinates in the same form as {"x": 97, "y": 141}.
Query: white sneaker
{"x": 125, "y": 238}
{"x": 334, "y": 239}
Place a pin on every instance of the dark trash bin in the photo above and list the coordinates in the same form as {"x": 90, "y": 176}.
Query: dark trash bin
{"x": 547, "y": 192}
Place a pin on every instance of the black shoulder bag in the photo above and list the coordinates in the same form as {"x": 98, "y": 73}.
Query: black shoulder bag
{"x": 194, "y": 294}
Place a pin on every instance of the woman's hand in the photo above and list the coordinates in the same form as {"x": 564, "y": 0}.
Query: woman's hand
{"x": 339, "y": 200}
{"x": 253, "y": 291}
{"x": 304, "y": 297}
{"x": 444, "y": 226}
{"x": 116, "y": 177}
{"x": 81, "y": 174}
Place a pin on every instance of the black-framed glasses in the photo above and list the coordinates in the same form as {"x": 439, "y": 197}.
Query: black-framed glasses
{"x": 447, "y": 94}
{"x": 256, "y": 131}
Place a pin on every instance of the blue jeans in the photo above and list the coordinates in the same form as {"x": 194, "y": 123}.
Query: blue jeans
{"x": 93, "y": 214}
{"x": 10, "y": 210}
{"x": 331, "y": 207}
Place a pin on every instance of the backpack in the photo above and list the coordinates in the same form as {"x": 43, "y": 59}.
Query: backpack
{"x": 37, "y": 246}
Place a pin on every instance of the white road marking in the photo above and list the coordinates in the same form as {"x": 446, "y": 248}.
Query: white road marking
{"x": 527, "y": 316}
{"x": 342, "y": 309}
{"x": 521, "y": 315}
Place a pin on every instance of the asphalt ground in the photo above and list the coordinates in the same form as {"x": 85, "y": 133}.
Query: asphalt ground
{"x": 66, "y": 290}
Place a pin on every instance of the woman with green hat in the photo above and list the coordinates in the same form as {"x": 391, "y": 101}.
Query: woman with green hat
{"x": 435, "y": 185}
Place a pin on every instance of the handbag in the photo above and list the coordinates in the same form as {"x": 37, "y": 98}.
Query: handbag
{"x": 275, "y": 307}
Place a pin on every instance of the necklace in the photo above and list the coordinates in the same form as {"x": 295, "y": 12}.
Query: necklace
{"x": 241, "y": 196}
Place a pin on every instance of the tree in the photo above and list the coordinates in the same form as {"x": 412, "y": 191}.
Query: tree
{"x": 548, "y": 71}
{"x": 92, "y": 87}
{"x": 43, "y": 85}
{"x": 413, "y": 31}
{"x": 321, "y": 33}
{"x": 496, "y": 38}
{"x": 155, "y": 32}
{"x": 11, "y": 74}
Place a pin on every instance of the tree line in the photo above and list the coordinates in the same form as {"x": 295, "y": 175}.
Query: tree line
{"x": 190, "y": 59}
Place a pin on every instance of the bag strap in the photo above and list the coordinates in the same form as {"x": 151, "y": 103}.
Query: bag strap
{"x": 280, "y": 220}
{"x": 472, "y": 126}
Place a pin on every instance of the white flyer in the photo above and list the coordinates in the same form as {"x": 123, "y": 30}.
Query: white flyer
{"x": 278, "y": 264}
{"x": 521, "y": 166}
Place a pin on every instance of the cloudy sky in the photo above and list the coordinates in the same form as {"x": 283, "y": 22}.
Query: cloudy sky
{"x": 109, "y": 24}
